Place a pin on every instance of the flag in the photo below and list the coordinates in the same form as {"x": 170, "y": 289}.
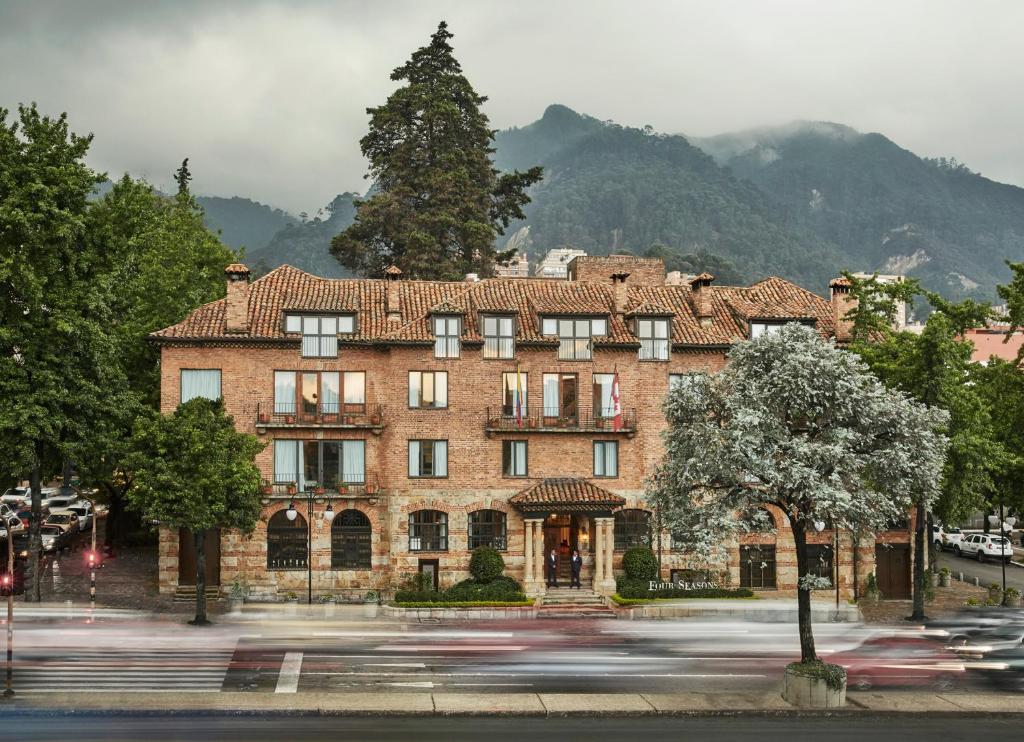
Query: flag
{"x": 519, "y": 397}
{"x": 616, "y": 402}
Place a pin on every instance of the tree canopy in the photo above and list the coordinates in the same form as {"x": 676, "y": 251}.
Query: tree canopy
{"x": 438, "y": 203}
{"x": 794, "y": 422}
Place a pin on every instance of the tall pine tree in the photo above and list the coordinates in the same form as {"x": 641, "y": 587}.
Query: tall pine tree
{"x": 438, "y": 203}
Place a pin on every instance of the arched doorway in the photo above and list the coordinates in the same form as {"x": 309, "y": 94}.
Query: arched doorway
{"x": 351, "y": 537}
{"x": 562, "y": 533}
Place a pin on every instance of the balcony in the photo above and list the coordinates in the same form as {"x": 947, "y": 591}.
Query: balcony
{"x": 500, "y": 421}
{"x": 353, "y": 486}
{"x": 321, "y": 415}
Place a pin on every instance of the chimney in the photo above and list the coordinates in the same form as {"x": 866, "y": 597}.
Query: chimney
{"x": 621, "y": 293}
{"x": 394, "y": 308}
{"x": 842, "y": 303}
{"x": 237, "y": 298}
{"x": 700, "y": 298}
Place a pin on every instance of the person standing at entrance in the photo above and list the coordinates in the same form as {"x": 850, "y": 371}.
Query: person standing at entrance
{"x": 552, "y": 567}
{"x": 577, "y": 565}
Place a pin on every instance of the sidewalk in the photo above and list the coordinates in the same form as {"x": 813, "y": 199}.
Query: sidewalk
{"x": 521, "y": 704}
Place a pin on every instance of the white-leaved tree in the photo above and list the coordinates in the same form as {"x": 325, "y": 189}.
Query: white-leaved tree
{"x": 794, "y": 422}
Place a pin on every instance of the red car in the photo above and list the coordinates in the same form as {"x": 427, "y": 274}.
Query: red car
{"x": 899, "y": 661}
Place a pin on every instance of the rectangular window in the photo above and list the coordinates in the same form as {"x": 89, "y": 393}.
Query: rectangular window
{"x": 284, "y": 392}
{"x": 819, "y": 560}
{"x": 560, "y": 398}
{"x": 513, "y": 458}
{"x": 606, "y": 458}
{"x": 428, "y": 458}
{"x": 499, "y": 337}
{"x": 428, "y": 389}
{"x": 320, "y": 334}
{"x": 575, "y": 340}
{"x": 513, "y": 387}
{"x": 312, "y": 394}
{"x": 602, "y": 395}
{"x": 311, "y": 464}
{"x": 428, "y": 531}
{"x": 353, "y": 391}
{"x": 446, "y": 337}
{"x": 287, "y": 462}
{"x": 653, "y": 334}
{"x": 757, "y": 566}
{"x": 200, "y": 383}
{"x": 345, "y": 323}
{"x": 757, "y": 329}
{"x": 549, "y": 326}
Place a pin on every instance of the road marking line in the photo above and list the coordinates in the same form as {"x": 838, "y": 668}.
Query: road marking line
{"x": 288, "y": 678}
{"x": 394, "y": 664}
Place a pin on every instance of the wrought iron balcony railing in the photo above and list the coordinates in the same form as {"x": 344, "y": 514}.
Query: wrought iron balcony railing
{"x": 348, "y": 484}
{"x": 321, "y": 414}
{"x": 499, "y": 419}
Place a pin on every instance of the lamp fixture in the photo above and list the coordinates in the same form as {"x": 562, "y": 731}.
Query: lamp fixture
{"x": 329, "y": 512}
{"x": 291, "y": 514}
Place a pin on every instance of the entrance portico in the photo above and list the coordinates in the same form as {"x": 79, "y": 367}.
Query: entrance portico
{"x": 565, "y": 514}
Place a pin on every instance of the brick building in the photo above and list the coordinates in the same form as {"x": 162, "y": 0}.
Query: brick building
{"x": 427, "y": 418}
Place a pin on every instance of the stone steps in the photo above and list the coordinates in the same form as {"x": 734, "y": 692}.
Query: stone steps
{"x": 187, "y": 594}
{"x": 573, "y": 603}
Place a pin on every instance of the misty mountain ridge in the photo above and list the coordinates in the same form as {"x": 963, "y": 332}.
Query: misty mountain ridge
{"x": 804, "y": 200}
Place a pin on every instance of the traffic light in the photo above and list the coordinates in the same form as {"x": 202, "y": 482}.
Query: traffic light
{"x": 6, "y": 584}
{"x": 92, "y": 558}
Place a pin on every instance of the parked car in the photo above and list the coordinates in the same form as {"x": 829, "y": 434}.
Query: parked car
{"x": 26, "y": 515}
{"x": 86, "y": 517}
{"x": 56, "y": 538}
{"x": 982, "y": 546}
{"x": 900, "y": 661}
{"x": 977, "y": 644}
{"x": 15, "y": 495}
{"x": 62, "y": 502}
{"x": 946, "y": 538}
{"x": 10, "y": 523}
{"x": 63, "y": 518}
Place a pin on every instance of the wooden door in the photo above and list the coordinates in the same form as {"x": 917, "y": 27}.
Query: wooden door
{"x": 430, "y": 568}
{"x": 187, "y": 558}
{"x": 892, "y": 570}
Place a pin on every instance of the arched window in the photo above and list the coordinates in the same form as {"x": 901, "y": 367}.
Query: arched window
{"x": 759, "y": 521}
{"x": 286, "y": 541}
{"x": 428, "y": 531}
{"x": 487, "y": 528}
{"x": 350, "y": 540}
{"x": 632, "y": 528}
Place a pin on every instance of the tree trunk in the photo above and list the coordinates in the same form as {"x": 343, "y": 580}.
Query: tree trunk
{"x": 199, "y": 537}
{"x": 33, "y": 593}
{"x": 803, "y": 597}
{"x": 919, "y": 556}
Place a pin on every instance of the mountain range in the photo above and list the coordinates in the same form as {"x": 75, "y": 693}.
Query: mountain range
{"x": 802, "y": 201}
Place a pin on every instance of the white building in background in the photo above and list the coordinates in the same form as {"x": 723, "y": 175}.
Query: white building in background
{"x": 900, "y": 319}
{"x": 517, "y": 267}
{"x": 556, "y": 263}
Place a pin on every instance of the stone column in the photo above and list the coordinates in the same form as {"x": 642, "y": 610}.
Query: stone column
{"x": 538, "y": 555}
{"x": 533, "y": 581}
{"x": 528, "y": 553}
{"x": 604, "y": 582}
{"x": 598, "y": 552}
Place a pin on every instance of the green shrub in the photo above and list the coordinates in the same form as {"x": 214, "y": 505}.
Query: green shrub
{"x": 640, "y": 563}
{"x": 417, "y": 596}
{"x": 502, "y": 588}
{"x": 833, "y": 675}
{"x": 486, "y": 564}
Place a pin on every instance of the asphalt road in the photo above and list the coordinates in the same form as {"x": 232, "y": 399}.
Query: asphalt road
{"x": 986, "y": 572}
{"x": 383, "y": 729}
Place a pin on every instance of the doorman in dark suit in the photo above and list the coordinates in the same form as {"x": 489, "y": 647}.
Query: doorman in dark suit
{"x": 552, "y": 568}
{"x": 577, "y": 565}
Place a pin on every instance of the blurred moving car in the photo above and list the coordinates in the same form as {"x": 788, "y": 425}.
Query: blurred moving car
{"x": 945, "y": 538}
{"x": 886, "y": 661}
{"x": 86, "y": 516}
{"x": 1003, "y": 668}
{"x": 980, "y": 643}
{"x": 981, "y": 546}
{"x": 63, "y": 518}
{"x": 14, "y": 495}
{"x": 56, "y": 538}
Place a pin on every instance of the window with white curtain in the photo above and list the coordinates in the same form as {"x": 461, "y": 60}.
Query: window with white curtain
{"x": 606, "y": 458}
{"x": 288, "y": 464}
{"x": 513, "y": 386}
{"x": 319, "y": 463}
{"x": 284, "y": 393}
{"x": 602, "y": 395}
{"x": 757, "y": 329}
{"x": 446, "y": 337}
{"x": 200, "y": 382}
{"x": 499, "y": 337}
{"x": 428, "y": 389}
{"x": 428, "y": 458}
{"x": 513, "y": 458}
{"x": 653, "y": 334}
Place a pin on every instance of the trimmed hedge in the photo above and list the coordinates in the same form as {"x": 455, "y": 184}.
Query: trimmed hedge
{"x": 486, "y": 564}
{"x": 640, "y": 563}
{"x": 466, "y": 604}
{"x": 639, "y": 590}
{"x": 502, "y": 589}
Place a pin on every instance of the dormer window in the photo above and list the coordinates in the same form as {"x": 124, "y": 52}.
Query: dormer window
{"x": 653, "y": 334}
{"x": 757, "y": 329}
{"x": 320, "y": 332}
{"x": 499, "y": 337}
{"x": 447, "y": 330}
{"x": 575, "y": 335}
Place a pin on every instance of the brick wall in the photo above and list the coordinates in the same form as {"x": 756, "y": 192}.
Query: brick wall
{"x": 642, "y": 271}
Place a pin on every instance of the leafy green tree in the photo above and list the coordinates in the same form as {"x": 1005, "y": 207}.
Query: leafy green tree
{"x": 438, "y": 203}
{"x": 165, "y": 264}
{"x": 876, "y": 304}
{"x": 935, "y": 368}
{"x": 194, "y": 470}
{"x": 793, "y": 422}
{"x": 59, "y": 375}
{"x": 1013, "y": 294}
{"x": 183, "y": 176}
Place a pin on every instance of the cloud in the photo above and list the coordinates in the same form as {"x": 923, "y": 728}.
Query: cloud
{"x": 268, "y": 98}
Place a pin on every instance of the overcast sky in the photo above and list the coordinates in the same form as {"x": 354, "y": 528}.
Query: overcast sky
{"x": 268, "y": 97}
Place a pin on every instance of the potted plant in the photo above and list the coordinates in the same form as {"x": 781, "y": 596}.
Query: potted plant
{"x": 327, "y": 602}
{"x": 371, "y": 488}
{"x": 972, "y": 603}
{"x": 815, "y": 685}
{"x": 236, "y": 596}
{"x": 599, "y": 423}
{"x": 933, "y": 579}
{"x": 375, "y": 418}
{"x": 267, "y": 488}
{"x": 289, "y": 419}
{"x": 264, "y": 417}
{"x": 945, "y": 577}
{"x": 342, "y": 488}
{"x": 292, "y": 488}
{"x": 531, "y": 422}
{"x": 995, "y": 593}
{"x": 370, "y": 601}
{"x": 318, "y": 490}
{"x": 1011, "y": 598}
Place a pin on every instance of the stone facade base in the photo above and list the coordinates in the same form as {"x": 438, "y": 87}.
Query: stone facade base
{"x": 465, "y": 614}
{"x": 805, "y": 692}
{"x": 767, "y": 611}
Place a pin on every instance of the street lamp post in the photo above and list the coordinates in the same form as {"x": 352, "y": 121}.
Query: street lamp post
{"x": 1005, "y": 526}
{"x": 9, "y": 686}
{"x": 310, "y": 496}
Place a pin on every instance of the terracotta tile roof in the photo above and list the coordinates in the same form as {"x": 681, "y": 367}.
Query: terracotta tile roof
{"x": 841, "y": 282}
{"x": 565, "y": 493}
{"x": 287, "y": 288}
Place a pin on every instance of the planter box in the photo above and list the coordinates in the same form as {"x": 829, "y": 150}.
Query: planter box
{"x": 370, "y": 610}
{"x": 945, "y": 580}
{"x": 807, "y": 692}
{"x": 1011, "y": 601}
